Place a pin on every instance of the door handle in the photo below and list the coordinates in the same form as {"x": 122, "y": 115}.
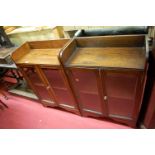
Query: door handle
{"x": 76, "y": 79}
{"x": 105, "y": 98}
{"x": 48, "y": 87}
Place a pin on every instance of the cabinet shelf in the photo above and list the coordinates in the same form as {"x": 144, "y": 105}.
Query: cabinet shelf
{"x": 59, "y": 88}
{"x": 89, "y": 92}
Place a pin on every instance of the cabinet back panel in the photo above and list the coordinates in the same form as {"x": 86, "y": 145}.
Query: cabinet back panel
{"x": 112, "y": 41}
{"x": 48, "y": 44}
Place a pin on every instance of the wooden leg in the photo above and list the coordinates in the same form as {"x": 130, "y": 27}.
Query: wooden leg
{"x": 4, "y": 104}
{"x": 1, "y": 107}
{"x": 1, "y": 102}
{"x": 3, "y": 95}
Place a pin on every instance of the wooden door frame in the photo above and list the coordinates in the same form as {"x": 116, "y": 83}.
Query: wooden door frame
{"x": 21, "y": 67}
{"x": 47, "y": 85}
{"x": 99, "y": 88}
{"x": 64, "y": 79}
{"x": 138, "y": 90}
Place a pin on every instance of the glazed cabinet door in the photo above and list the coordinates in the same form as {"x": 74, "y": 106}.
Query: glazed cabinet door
{"x": 123, "y": 92}
{"x": 37, "y": 84}
{"x": 85, "y": 83}
{"x": 57, "y": 80}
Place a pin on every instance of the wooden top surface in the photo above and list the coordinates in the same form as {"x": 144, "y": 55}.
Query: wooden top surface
{"x": 41, "y": 56}
{"x": 125, "y": 57}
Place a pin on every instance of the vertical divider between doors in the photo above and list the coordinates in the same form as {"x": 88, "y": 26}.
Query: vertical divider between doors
{"x": 103, "y": 92}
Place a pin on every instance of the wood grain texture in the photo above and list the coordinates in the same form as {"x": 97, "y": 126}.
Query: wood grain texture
{"x": 19, "y": 52}
{"x": 39, "y": 52}
{"x": 112, "y": 41}
{"x": 121, "y": 57}
{"x": 48, "y": 44}
{"x": 67, "y": 51}
{"x": 124, "y": 57}
{"x": 40, "y": 56}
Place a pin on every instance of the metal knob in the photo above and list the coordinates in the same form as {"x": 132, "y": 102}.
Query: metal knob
{"x": 77, "y": 80}
{"x": 105, "y": 97}
{"x": 48, "y": 87}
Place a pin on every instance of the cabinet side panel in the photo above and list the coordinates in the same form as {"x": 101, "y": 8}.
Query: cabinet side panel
{"x": 149, "y": 120}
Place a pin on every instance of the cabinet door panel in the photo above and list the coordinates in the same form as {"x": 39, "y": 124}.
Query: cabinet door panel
{"x": 85, "y": 86}
{"x": 121, "y": 107}
{"x": 33, "y": 75}
{"x": 38, "y": 85}
{"x": 43, "y": 93}
{"x": 85, "y": 80}
{"x": 91, "y": 102}
{"x": 63, "y": 97}
{"x": 55, "y": 79}
{"x": 121, "y": 85}
{"x": 121, "y": 90}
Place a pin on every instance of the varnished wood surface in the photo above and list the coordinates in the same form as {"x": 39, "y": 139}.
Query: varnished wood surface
{"x": 121, "y": 57}
{"x": 39, "y": 52}
{"x": 40, "y": 56}
{"x": 20, "y": 51}
{"x": 112, "y": 41}
{"x": 48, "y": 44}
{"x": 67, "y": 52}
